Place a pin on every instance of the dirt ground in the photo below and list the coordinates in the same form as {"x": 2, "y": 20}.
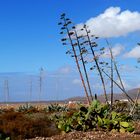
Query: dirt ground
{"x": 96, "y": 135}
{"x": 92, "y": 135}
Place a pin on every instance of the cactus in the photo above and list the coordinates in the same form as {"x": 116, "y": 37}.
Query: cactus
{"x": 96, "y": 116}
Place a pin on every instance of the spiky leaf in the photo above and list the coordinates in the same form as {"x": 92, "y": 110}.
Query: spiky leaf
{"x": 124, "y": 124}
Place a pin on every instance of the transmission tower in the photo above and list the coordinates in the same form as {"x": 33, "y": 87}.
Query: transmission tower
{"x": 6, "y": 91}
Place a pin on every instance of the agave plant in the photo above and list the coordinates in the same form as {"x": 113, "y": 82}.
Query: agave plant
{"x": 55, "y": 108}
{"x": 70, "y": 35}
{"x": 27, "y": 107}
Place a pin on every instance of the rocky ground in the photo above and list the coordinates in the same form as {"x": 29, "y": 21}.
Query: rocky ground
{"x": 93, "y": 135}
{"x": 96, "y": 135}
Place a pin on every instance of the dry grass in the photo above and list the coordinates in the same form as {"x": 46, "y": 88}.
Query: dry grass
{"x": 19, "y": 126}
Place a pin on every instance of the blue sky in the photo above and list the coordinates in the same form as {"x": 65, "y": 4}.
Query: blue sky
{"x": 29, "y": 35}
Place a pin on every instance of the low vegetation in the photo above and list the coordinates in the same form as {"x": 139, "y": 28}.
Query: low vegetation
{"x": 29, "y": 121}
{"x": 95, "y": 117}
{"x": 25, "y": 123}
{"x": 55, "y": 108}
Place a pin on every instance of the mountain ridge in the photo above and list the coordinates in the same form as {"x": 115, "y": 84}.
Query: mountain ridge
{"x": 117, "y": 96}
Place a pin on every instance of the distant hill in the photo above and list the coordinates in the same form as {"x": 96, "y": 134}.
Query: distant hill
{"x": 133, "y": 93}
{"x": 117, "y": 96}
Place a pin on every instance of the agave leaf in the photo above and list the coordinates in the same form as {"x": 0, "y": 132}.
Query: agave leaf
{"x": 122, "y": 130}
{"x": 95, "y": 104}
{"x": 115, "y": 122}
{"x": 130, "y": 129}
{"x": 100, "y": 121}
{"x": 8, "y": 138}
{"x": 124, "y": 124}
{"x": 113, "y": 130}
{"x": 106, "y": 121}
{"x": 114, "y": 114}
{"x": 67, "y": 128}
{"x": 60, "y": 126}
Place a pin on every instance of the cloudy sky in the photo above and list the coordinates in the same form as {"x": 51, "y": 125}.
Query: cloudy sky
{"x": 29, "y": 39}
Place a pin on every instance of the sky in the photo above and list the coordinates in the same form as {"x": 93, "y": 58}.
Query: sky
{"x": 29, "y": 38}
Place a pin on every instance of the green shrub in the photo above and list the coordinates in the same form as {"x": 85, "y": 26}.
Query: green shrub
{"x": 96, "y": 116}
{"x": 122, "y": 106}
{"x": 136, "y": 114}
{"x": 27, "y": 108}
{"x": 55, "y": 108}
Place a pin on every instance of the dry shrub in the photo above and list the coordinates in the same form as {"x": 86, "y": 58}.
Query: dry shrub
{"x": 18, "y": 126}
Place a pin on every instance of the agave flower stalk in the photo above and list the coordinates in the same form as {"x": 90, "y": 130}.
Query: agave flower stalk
{"x": 111, "y": 73}
{"x": 118, "y": 74}
{"x": 75, "y": 55}
{"x": 135, "y": 103}
{"x": 112, "y": 76}
{"x": 138, "y": 59}
{"x": 83, "y": 62}
{"x": 96, "y": 62}
{"x": 129, "y": 98}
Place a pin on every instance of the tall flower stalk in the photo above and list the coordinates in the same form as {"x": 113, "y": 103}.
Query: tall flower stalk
{"x": 96, "y": 62}
{"x": 83, "y": 62}
{"x": 118, "y": 74}
{"x": 65, "y": 24}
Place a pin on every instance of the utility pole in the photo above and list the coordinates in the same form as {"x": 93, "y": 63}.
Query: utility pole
{"x": 40, "y": 82}
{"x": 30, "y": 94}
{"x": 6, "y": 91}
{"x": 57, "y": 87}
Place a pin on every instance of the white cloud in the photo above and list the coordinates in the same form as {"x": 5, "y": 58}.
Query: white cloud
{"x": 116, "y": 50}
{"x": 134, "y": 53}
{"x": 76, "y": 82}
{"x": 114, "y": 23}
{"x": 65, "y": 70}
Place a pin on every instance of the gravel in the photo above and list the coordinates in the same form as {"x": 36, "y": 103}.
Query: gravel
{"x": 92, "y": 135}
